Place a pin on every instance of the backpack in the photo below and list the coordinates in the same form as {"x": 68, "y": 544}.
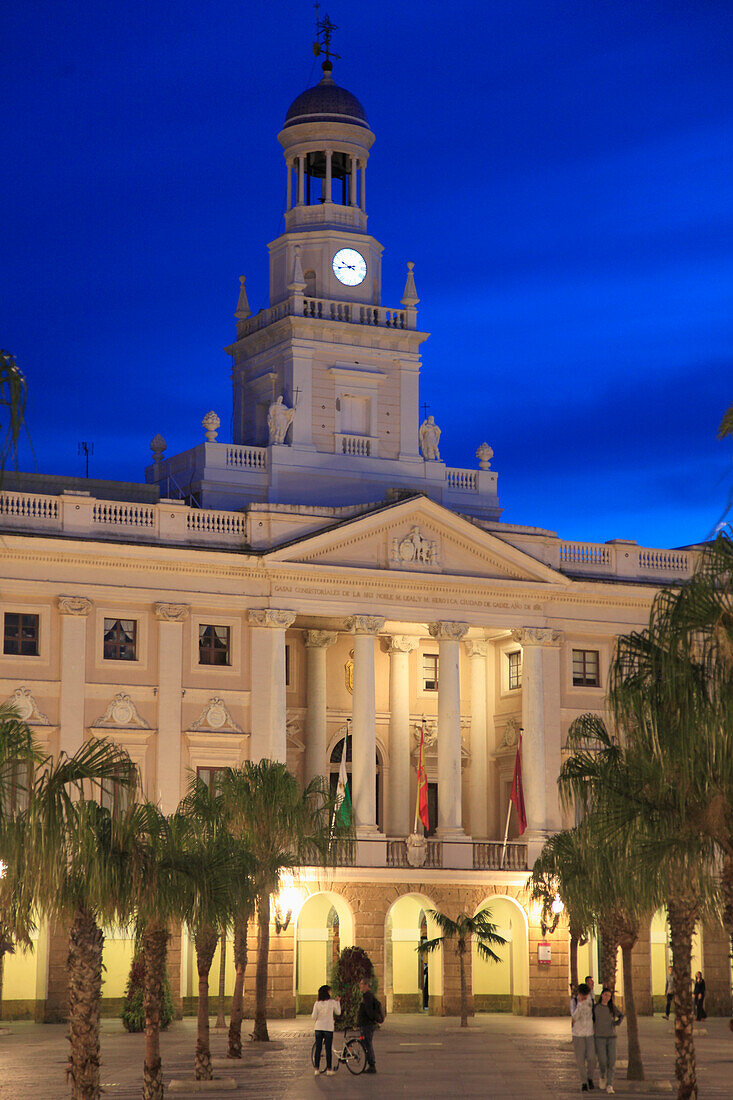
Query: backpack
{"x": 379, "y": 1013}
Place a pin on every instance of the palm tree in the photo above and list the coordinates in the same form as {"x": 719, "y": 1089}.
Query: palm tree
{"x": 284, "y": 827}
{"x": 561, "y": 868}
{"x": 241, "y": 927}
{"x": 218, "y": 868}
{"x": 463, "y": 929}
{"x": 77, "y": 863}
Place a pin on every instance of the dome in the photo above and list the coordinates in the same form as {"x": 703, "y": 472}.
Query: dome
{"x": 326, "y": 102}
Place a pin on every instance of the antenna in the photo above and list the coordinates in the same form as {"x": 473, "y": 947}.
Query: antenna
{"x": 324, "y": 33}
{"x": 86, "y": 449}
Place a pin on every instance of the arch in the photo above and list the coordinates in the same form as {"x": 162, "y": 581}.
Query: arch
{"x": 504, "y": 986}
{"x": 405, "y": 972}
{"x": 324, "y": 925}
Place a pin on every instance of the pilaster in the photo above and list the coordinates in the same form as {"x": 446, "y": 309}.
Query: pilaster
{"x": 267, "y": 667}
{"x": 74, "y": 611}
{"x": 171, "y": 618}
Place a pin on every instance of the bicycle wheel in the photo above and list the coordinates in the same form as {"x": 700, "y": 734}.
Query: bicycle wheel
{"x": 355, "y": 1056}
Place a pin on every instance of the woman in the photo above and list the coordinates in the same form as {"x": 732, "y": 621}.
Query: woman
{"x": 323, "y": 1013}
{"x": 607, "y": 1018}
{"x": 698, "y": 997}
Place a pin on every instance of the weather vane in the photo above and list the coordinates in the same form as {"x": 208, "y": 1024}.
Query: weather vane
{"x": 324, "y": 31}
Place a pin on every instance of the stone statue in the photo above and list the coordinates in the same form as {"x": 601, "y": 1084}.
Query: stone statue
{"x": 429, "y": 436}
{"x": 279, "y": 419}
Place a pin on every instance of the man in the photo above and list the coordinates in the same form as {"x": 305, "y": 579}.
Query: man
{"x": 583, "y": 1042}
{"x": 669, "y": 991}
{"x": 365, "y": 1020}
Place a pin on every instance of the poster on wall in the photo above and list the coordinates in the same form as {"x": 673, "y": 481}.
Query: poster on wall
{"x": 544, "y": 953}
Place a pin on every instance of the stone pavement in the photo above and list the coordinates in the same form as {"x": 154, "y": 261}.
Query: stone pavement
{"x": 498, "y": 1056}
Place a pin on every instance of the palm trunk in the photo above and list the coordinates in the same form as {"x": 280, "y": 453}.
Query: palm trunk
{"x": 610, "y": 938}
{"x": 727, "y": 894}
{"x": 635, "y": 1071}
{"x": 240, "y": 968}
{"x": 221, "y": 1020}
{"x": 85, "y": 992}
{"x": 2, "y": 977}
{"x": 205, "y": 940}
{"x": 464, "y": 990}
{"x": 683, "y": 913}
{"x": 573, "y": 961}
{"x": 260, "y": 1034}
{"x": 155, "y": 947}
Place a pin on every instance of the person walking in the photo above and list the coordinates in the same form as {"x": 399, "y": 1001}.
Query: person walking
{"x": 607, "y": 1019}
{"x": 583, "y": 1040}
{"x": 324, "y": 1010}
{"x": 590, "y": 982}
{"x": 669, "y": 991}
{"x": 698, "y": 996}
{"x": 366, "y": 1020}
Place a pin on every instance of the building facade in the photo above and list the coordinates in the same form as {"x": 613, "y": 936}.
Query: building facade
{"x": 324, "y": 574}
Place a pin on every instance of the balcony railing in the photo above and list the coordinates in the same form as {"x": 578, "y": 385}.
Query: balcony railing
{"x": 487, "y": 856}
{"x": 328, "y": 309}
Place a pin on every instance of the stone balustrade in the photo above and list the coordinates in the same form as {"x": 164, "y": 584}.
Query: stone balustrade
{"x": 239, "y": 457}
{"x": 463, "y": 480}
{"x": 626, "y": 560}
{"x": 487, "y": 855}
{"x": 361, "y": 446}
{"x": 86, "y": 517}
{"x": 327, "y": 309}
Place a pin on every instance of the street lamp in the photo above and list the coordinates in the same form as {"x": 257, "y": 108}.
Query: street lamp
{"x": 287, "y": 904}
{"x": 556, "y": 908}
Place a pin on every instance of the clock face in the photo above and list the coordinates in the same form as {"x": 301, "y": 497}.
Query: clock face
{"x": 349, "y": 267}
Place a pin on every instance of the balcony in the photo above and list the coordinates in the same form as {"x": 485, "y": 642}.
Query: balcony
{"x": 456, "y": 855}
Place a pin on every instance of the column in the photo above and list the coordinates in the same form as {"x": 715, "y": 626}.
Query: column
{"x": 171, "y": 617}
{"x": 301, "y": 179}
{"x": 267, "y": 695}
{"x": 289, "y": 201}
{"x": 362, "y": 165}
{"x": 450, "y": 817}
{"x": 316, "y": 644}
{"x": 364, "y": 724}
{"x": 541, "y": 724}
{"x": 329, "y": 155}
{"x": 399, "y": 802}
{"x": 74, "y": 611}
{"x": 477, "y": 650}
{"x": 352, "y": 181}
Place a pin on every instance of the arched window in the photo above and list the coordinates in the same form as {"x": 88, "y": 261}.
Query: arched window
{"x": 334, "y": 943}
{"x": 335, "y": 764}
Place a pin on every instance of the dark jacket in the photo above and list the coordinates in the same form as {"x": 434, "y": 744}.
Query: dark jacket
{"x": 366, "y": 1016}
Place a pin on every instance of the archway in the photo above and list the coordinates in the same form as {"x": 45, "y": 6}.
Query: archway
{"x": 325, "y": 925}
{"x": 503, "y": 986}
{"x": 413, "y": 983}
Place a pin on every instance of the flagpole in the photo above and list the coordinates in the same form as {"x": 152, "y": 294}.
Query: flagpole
{"x": 343, "y": 760}
{"x": 506, "y": 835}
{"x": 417, "y": 794}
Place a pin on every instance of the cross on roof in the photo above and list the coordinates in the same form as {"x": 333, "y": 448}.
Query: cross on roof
{"x": 324, "y": 32}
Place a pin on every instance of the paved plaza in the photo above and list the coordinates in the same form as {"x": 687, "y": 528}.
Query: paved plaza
{"x": 507, "y": 1057}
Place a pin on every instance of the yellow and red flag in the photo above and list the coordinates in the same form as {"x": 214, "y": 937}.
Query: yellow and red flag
{"x": 421, "y": 806}
{"x": 517, "y": 795}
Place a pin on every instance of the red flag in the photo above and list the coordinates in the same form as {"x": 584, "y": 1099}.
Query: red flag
{"x": 421, "y": 810}
{"x": 517, "y": 795}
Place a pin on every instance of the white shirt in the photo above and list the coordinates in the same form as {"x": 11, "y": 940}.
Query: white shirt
{"x": 324, "y": 1012}
{"x": 583, "y": 1018}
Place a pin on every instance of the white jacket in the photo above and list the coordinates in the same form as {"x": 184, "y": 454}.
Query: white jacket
{"x": 323, "y": 1014}
{"x": 583, "y": 1018}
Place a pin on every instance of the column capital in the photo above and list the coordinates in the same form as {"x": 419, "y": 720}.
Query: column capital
{"x": 476, "y": 647}
{"x": 537, "y": 635}
{"x": 400, "y": 643}
{"x": 364, "y": 624}
{"x": 74, "y": 605}
{"x": 171, "y": 612}
{"x": 267, "y": 616}
{"x": 447, "y": 631}
{"x": 320, "y": 639}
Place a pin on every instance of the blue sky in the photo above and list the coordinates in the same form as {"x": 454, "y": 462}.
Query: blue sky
{"x": 560, "y": 173}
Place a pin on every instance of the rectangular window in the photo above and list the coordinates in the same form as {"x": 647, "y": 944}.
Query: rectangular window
{"x": 287, "y": 666}
{"x": 514, "y": 679}
{"x": 430, "y": 671}
{"x": 586, "y": 671}
{"x": 211, "y": 777}
{"x": 120, "y": 640}
{"x": 432, "y": 808}
{"x": 17, "y": 781}
{"x": 21, "y": 634}
{"x": 115, "y": 796}
{"x": 213, "y": 645}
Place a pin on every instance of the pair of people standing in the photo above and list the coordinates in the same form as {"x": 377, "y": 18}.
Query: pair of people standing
{"x": 324, "y": 1010}
{"x": 594, "y": 1035}
{"x": 698, "y": 994}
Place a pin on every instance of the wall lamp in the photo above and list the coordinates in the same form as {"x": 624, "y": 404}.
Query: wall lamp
{"x": 556, "y": 909}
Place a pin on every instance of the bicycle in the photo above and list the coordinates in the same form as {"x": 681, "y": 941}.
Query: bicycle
{"x": 352, "y": 1054}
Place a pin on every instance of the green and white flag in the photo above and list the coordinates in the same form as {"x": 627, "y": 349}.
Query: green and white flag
{"x": 342, "y": 811}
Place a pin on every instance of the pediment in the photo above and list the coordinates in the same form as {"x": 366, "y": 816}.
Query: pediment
{"x": 416, "y": 536}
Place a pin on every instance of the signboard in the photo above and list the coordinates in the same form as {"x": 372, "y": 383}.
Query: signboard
{"x": 544, "y": 953}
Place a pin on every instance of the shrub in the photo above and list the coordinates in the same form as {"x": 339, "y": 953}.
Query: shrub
{"x": 353, "y": 965}
{"x": 133, "y": 1014}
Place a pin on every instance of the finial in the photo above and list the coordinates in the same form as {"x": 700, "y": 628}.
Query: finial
{"x": 410, "y": 298}
{"x": 157, "y": 446}
{"x": 484, "y": 454}
{"x": 242, "y": 311}
{"x": 297, "y": 283}
{"x": 322, "y": 45}
{"x": 210, "y": 424}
